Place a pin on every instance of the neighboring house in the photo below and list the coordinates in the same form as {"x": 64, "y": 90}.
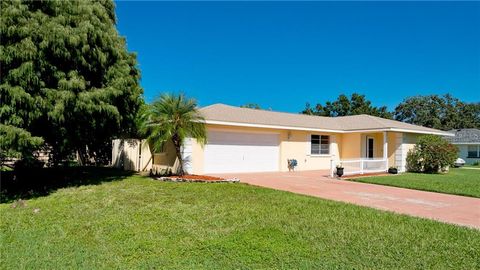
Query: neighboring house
{"x": 250, "y": 140}
{"x": 468, "y": 142}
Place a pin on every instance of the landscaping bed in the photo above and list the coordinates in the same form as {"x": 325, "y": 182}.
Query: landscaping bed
{"x": 196, "y": 178}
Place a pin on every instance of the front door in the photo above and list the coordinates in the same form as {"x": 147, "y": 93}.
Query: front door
{"x": 370, "y": 144}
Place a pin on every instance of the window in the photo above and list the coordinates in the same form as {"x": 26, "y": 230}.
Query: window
{"x": 473, "y": 151}
{"x": 320, "y": 145}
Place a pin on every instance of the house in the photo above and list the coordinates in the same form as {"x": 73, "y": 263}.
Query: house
{"x": 251, "y": 140}
{"x": 468, "y": 142}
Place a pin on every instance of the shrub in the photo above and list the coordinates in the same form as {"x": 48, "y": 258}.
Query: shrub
{"x": 476, "y": 163}
{"x": 414, "y": 161}
{"x": 431, "y": 154}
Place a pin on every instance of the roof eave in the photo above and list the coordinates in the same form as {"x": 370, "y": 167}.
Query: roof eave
{"x": 438, "y": 132}
{"x": 239, "y": 124}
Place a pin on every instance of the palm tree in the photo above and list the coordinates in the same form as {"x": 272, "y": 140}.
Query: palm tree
{"x": 172, "y": 117}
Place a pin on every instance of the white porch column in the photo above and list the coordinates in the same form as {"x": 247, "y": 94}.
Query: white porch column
{"x": 385, "y": 149}
{"x": 332, "y": 166}
{"x": 334, "y": 148}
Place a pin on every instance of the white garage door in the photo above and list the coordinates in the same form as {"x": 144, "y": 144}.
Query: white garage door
{"x": 241, "y": 152}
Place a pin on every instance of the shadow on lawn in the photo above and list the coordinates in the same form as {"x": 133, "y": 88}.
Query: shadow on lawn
{"x": 33, "y": 183}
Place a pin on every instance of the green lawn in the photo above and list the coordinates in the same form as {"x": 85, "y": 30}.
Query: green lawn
{"x": 472, "y": 166}
{"x": 458, "y": 181}
{"x": 137, "y": 222}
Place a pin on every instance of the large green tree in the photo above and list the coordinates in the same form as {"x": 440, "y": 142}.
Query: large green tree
{"x": 66, "y": 78}
{"x": 343, "y": 106}
{"x": 441, "y": 112}
{"x": 172, "y": 118}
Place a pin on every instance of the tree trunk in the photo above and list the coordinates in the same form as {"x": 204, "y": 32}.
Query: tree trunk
{"x": 82, "y": 156}
{"x": 177, "y": 143}
{"x": 180, "y": 160}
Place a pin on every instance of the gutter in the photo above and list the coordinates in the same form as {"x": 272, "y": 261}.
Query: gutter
{"x": 239, "y": 124}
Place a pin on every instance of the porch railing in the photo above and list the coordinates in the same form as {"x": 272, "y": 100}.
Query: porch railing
{"x": 359, "y": 166}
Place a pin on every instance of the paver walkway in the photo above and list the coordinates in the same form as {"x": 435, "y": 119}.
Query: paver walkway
{"x": 442, "y": 207}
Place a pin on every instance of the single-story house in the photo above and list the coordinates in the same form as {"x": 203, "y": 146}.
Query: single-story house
{"x": 468, "y": 142}
{"x": 252, "y": 140}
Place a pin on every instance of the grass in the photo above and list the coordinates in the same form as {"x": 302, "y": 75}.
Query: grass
{"x": 137, "y": 222}
{"x": 457, "y": 181}
{"x": 476, "y": 165}
{"x": 33, "y": 183}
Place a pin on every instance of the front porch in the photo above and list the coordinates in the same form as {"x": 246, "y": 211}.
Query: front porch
{"x": 364, "y": 153}
{"x": 360, "y": 166}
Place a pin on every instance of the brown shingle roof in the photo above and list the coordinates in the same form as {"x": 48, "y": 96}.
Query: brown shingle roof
{"x": 231, "y": 114}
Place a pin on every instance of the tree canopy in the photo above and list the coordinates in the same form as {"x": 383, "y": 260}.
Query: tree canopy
{"x": 343, "y": 106}
{"x": 251, "y": 106}
{"x": 440, "y": 112}
{"x": 67, "y": 79}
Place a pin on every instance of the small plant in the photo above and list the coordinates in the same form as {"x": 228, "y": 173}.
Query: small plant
{"x": 292, "y": 163}
{"x": 161, "y": 172}
{"x": 339, "y": 170}
{"x": 476, "y": 163}
{"x": 393, "y": 170}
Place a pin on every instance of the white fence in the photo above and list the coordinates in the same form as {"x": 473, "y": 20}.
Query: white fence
{"x": 135, "y": 155}
{"x": 359, "y": 166}
{"x": 131, "y": 155}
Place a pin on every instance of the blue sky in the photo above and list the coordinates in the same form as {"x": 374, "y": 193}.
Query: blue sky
{"x": 284, "y": 54}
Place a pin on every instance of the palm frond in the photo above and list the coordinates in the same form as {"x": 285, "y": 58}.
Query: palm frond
{"x": 169, "y": 116}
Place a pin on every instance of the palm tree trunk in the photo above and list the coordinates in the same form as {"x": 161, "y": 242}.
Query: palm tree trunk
{"x": 180, "y": 160}
{"x": 178, "y": 151}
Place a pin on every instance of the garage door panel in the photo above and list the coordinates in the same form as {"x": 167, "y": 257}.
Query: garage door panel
{"x": 236, "y": 138}
{"x": 241, "y": 152}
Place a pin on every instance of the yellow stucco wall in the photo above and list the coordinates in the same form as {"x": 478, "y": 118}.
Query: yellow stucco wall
{"x": 391, "y": 139}
{"x": 294, "y": 144}
{"x": 164, "y": 160}
{"x": 348, "y": 142}
{"x": 167, "y": 157}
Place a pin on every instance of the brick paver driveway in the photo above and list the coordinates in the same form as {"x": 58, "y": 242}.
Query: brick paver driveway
{"x": 442, "y": 207}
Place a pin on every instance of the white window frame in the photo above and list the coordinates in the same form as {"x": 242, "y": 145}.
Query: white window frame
{"x": 320, "y": 154}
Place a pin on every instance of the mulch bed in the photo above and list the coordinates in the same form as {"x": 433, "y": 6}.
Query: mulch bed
{"x": 196, "y": 178}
